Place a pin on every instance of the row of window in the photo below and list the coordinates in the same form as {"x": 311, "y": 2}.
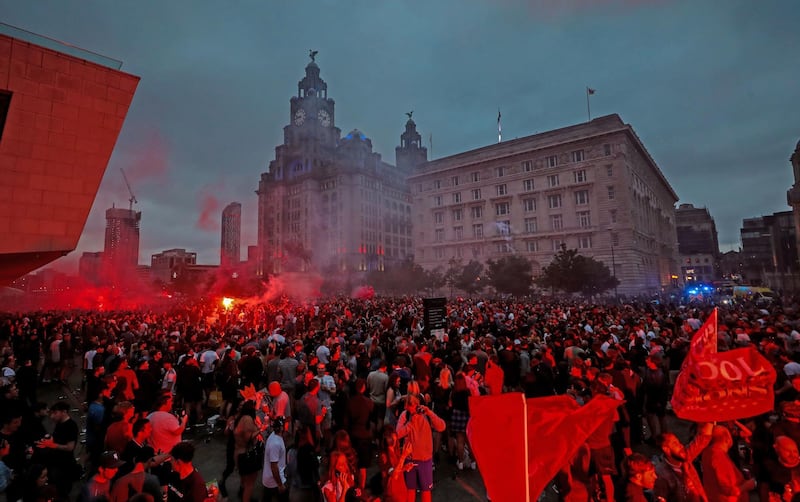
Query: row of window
{"x": 554, "y": 200}
{"x": 530, "y": 246}
{"x": 527, "y": 166}
{"x": 503, "y": 227}
{"x": 528, "y": 185}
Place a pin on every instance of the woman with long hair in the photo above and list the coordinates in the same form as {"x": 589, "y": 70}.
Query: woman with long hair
{"x": 459, "y": 416}
{"x": 228, "y": 382}
{"x": 245, "y": 433}
{"x": 340, "y": 481}
{"x": 393, "y": 399}
{"x": 392, "y": 463}
{"x": 37, "y": 487}
{"x": 342, "y": 444}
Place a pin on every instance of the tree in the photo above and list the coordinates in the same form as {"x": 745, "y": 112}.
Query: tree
{"x": 434, "y": 279}
{"x": 510, "y": 274}
{"x": 574, "y": 273}
{"x": 469, "y": 278}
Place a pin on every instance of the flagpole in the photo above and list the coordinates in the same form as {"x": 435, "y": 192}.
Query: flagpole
{"x": 588, "y": 110}
{"x": 499, "y": 128}
{"x": 430, "y": 142}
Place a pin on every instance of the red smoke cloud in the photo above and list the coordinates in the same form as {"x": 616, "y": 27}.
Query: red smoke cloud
{"x": 209, "y": 212}
{"x": 150, "y": 161}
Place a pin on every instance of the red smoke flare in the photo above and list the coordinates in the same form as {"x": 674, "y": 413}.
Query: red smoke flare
{"x": 209, "y": 212}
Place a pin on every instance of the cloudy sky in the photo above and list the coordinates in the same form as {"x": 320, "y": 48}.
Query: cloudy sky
{"x": 711, "y": 87}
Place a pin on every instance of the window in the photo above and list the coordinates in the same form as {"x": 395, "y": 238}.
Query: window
{"x": 454, "y": 181}
{"x": 552, "y": 180}
{"x": 502, "y": 189}
{"x": 554, "y": 201}
{"x": 581, "y": 197}
{"x": 614, "y": 239}
{"x": 532, "y": 246}
{"x": 456, "y": 197}
{"x": 477, "y": 251}
{"x": 613, "y": 214}
{"x": 475, "y": 177}
{"x": 577, "y": 156}
{"x": 611, "y": 193}
{"x": 438, "y": 235}
{"x": 457, "y": 214}
{"x": 477, "y": 212}
{"x": 476, "y": 194}
{"x": 437, "y": 184}
{"x": 558, "y": 244}
{"x": 556, "y": 222}
{"x": 458, "y": 232}
{"x": 504, "y": 247}
{"x": 527, "y": 185}
{"x": 585, "y": 242}
{"x": 503, "y": 227}
{"x": 437, "y": 201}
{"x": 530, "y": 226}
{"x": 438, "y": 253}
{"x": 606, "y": 149}
{"x": 609, "y": 170}
{"x": 552, "y": 161}
{"x": 584, "y": 219}
{"x": 580, "y": 176}
{"x": 529, "y": 205}
{"x": 501, "y": 171}
{"x": 527, "y": 166}
{"x": 501, "y": 208}
{"x": 5, "y": 103}
{"x": 438, "y": 217}
{"x": 477, "y": 231}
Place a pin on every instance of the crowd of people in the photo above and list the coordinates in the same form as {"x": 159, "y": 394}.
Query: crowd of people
{"x": 353, "y": 399}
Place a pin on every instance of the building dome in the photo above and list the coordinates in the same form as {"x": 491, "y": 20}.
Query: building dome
{"x": 355, "y": 134}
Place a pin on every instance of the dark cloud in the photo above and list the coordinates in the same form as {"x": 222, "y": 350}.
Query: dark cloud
{"x": 708, "y": 86}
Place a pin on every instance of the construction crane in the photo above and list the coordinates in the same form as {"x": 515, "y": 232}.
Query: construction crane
{"x": 132, "y": 200}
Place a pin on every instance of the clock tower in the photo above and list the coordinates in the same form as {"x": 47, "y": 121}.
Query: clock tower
{"x": 329, "y": 204}
{"x": 311, "y": 112}
{"x": 410, "y": 153}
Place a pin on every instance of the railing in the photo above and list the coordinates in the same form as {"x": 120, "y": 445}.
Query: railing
{"x": 56, "y": 45}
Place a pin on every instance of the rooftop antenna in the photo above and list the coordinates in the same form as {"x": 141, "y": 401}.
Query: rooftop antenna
{"x": 132, "y": 200}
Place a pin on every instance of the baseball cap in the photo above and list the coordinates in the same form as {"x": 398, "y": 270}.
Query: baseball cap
{"x": 110, "y": 460}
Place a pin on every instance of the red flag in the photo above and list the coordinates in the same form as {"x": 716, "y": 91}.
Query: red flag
{"x": 704, "y": 342}
{"x": 517, "y": 462}
{"x": 722, "y": 386}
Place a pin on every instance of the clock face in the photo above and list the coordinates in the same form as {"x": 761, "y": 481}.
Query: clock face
{"x": 299, "y": 117}
{"x": 324, "y": 118}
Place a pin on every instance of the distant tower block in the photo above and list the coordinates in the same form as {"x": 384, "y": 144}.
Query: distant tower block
{"x": 122, "y": 237}
{"x": 230, "y": 248}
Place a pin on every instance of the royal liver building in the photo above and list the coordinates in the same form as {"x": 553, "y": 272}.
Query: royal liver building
{"x": 329, "y": 203}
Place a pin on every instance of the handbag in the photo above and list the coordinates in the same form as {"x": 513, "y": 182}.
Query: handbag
{"x": 252, "y": 460}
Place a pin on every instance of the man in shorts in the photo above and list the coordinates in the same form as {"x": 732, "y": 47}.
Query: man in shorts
{"x": 416, "y": 425}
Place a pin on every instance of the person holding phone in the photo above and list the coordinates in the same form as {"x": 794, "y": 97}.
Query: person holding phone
{"x": 416, "y": 425}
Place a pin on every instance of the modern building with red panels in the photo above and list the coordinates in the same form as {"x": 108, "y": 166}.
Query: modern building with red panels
{"x": 61, "y": 111}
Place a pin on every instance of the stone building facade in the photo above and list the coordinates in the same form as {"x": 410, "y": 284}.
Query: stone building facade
{"x": 231, "y": 235}
{"x": 591, "y": 186}
{"x": 698, "y": 245}
{"x": 329, "y": 203}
